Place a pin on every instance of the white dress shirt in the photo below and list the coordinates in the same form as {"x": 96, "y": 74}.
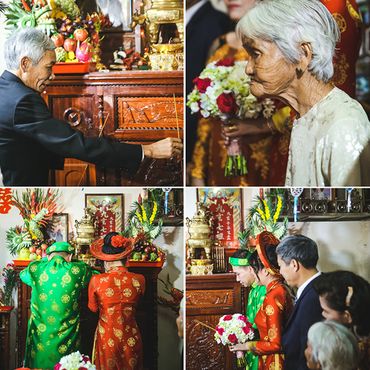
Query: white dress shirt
{"x": 301, "y": 288}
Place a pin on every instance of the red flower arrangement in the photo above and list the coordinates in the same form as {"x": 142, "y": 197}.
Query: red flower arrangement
{"x": 119, "y": 241}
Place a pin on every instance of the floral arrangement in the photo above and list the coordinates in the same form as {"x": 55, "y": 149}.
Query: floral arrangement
{"x": 75, "y": 361}
{"x": 222, "y": 91}
{"x": 264, "y": 216}
{"x": 234, "y": 329}
{"x": 9, "y": 277}
{"x": 36, "y": 208}
{"x": 119, "y": 241}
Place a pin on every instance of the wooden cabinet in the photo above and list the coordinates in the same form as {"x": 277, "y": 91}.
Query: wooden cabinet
{"x": 131, "y": 106}
{"x": 4, "y": 339}
{"x": 207, "y": 299}
{"x": 146, "y": 317}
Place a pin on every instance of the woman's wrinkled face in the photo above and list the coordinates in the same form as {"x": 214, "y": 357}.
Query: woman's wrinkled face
{"x": 311, "y": 364}
{"x": 271, "y": 74}
{"x": 237, "y": 8}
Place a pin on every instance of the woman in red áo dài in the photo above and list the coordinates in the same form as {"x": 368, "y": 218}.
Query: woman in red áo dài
{"x": 114, "y": 294}
{"x": 275, "y": 309}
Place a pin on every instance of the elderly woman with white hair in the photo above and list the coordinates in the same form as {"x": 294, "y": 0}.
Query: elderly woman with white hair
{"x": 291, "y": 44}
{"x": 331, "y": 346}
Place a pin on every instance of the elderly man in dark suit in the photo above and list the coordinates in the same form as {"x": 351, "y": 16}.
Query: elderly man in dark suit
{"x": 31, "y": 141}
{"x": 203, "y": 25}
{"x": 297, "y": 258}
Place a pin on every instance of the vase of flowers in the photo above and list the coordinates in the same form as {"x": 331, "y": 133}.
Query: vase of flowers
{"x": 75, "y": 361}
{"x": 222, "y": 91}
{"x": 9, "y": 279}
{"x": 234, "y": 329}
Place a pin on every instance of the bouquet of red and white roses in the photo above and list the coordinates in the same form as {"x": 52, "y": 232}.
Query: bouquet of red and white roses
{"x": 222, "y": 91}
{"x": 234, "y": 329}
{"x": 75, "y": 361}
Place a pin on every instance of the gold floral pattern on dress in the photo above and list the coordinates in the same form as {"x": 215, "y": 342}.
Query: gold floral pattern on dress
{"x": 43, "y": 297}
{"x": 341, "y": 22}
{"x": 275, "y": 366}
{"x": 111, "y": 363}
{"x": 110, "y": 342}
{"x": 269, "y": 310}
{"x": 109, "y": 292}
{"x": 118, "y": 333}
{"x": 340, "y": 71}
{"x": 104, "y": 279}
{"x": 33, "y": 267}
{"x": 131, "y": 341}
{"x": 75, "y": 270}
{"x": 117, "y": 282}
{"x": 53, "y": 270}
{"x": 75, "y": 306}
{"x": 260, "y": 153}
{"x": 41, "y": 327}
{"x": 135, "y": 283}
{"x": 127, "y": 292}
{"x": 101, "y": 329}
{"x": 133, "y": 362}
{"x": 51, "y": 320}
{"x": 66, "y": 279}
{"x": 65, "y": 298}
{"x": 40, "y": 347}
{"x": 272, "y": 332}
{"x": 280, "y": 305}
{"x": 44, "y": 278}
{"x": 353, "y": 13}
{"x": 62, "y": 349}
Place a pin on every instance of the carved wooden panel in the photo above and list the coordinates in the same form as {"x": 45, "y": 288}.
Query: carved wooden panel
{"x": 207, "y": 299}
{"x": 211, "y": 298}
{"x": 76, "y": 173}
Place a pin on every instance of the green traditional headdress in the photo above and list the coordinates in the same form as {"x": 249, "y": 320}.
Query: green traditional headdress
{"x": 237, "y": 261}
{"x": 60, "y": 247}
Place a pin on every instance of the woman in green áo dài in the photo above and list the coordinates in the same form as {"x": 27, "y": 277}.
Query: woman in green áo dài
{"x": 245, "y": 275}
{"x": 54, "y": 324}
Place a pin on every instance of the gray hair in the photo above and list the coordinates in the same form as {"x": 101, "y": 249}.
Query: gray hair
{"x": 289, "y": 23}
{"x": 26, "y": 42}
{"x": 334, "y": 346}
{"x": 300, "y": 248}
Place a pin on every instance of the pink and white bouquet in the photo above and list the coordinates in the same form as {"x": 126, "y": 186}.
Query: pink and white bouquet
{"x": 222, "y": 90}
{"x": 75, "y": 361}
{"x": 234, "y": 329}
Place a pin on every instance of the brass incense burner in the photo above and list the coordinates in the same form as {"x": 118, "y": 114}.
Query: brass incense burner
{"x": 153, "y": 15}
{"x": 85, "y": 229}
{"x": 199, "y": 228}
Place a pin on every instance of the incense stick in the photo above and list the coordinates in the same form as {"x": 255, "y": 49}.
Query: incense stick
{"x": 100, "y": 134}
{"x": 177, "y": 118}
{"x": 202, "y": 323}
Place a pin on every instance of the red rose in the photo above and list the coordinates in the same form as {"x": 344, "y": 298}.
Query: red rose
{"x": 243, "y": 318}
{"x": 82, "y": 368}
{"x": 226, "y": 62}
{"x": 246, "y": 329}
{"x": 202, "y": 83}
{"x": 220, "y": 330}
{"x": 226, "y": 103}
{"x": 232, "y": 338}
{"x": 57, "y": 366}
{"x": 228, "y": 317}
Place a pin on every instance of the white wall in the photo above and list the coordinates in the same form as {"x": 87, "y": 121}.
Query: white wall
{"x": 171, "y": 241}
{"x": 342, "y": 244}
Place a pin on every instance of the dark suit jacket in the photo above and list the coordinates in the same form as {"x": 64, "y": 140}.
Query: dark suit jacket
{"x": 306, "y": 312}
{"x": 32, "y": 142}
{"x": 203, "y": 28}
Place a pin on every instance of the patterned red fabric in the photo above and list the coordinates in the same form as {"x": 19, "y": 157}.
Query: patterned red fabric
{"x": 118, "y": 344}
{"x": 270, "y": 320}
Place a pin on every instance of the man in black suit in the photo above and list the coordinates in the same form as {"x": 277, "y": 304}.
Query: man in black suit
{"x": 203, "y": 25}
{"x": 31, "y": 141}
{"x": 297, "y": 258}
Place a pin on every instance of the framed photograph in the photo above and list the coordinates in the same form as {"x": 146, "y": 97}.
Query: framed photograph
{"x": 321, "y": 194}
{"x": 59, "y": 227}
{"x": 226, "y": 205}
{"x": 108, "y": 212}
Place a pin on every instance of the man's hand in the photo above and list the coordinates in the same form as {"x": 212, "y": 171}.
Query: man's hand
{"x": 163, "y": 149}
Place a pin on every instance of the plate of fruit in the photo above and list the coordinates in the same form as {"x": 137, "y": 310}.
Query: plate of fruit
{"x": 145, "y": 252}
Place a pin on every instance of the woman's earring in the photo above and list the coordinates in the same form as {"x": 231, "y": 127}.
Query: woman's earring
{"x": 299, "y": 73}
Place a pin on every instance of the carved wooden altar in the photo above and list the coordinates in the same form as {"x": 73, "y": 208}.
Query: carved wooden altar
{"x": 146, "y": 317}
{"x": 4, "y": 339}
{"x": 208, "y": 298}
{"x": 131, "y": 106}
